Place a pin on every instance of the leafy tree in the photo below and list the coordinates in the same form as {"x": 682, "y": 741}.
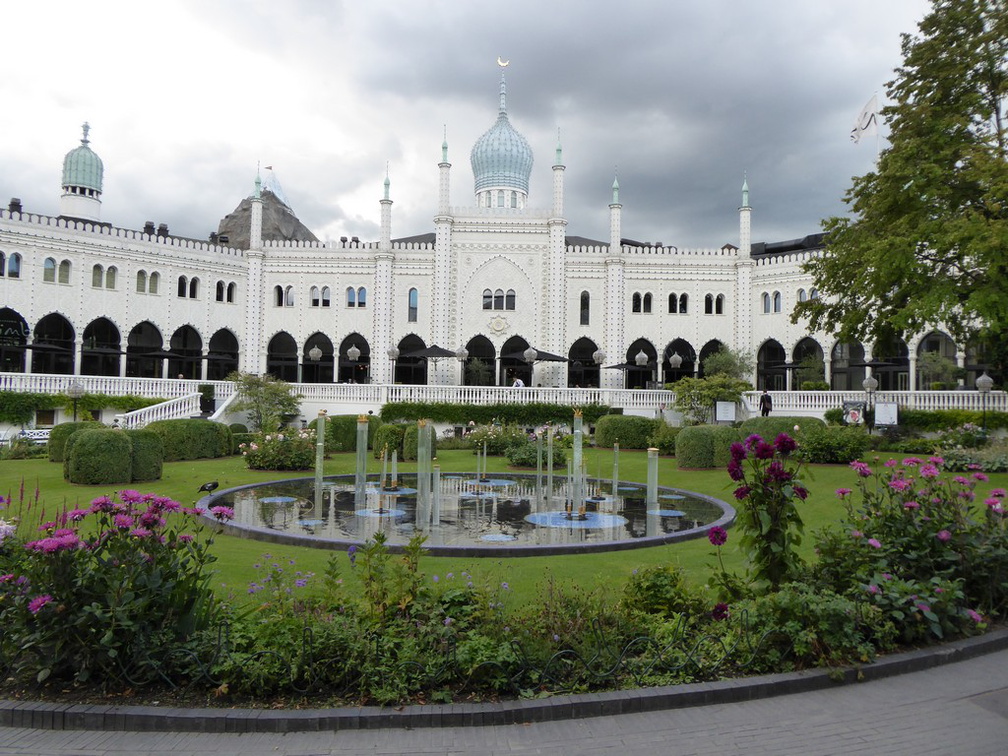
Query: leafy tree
{"x": 729, "y": 362}
{"x": 695, "y": 397}
{"x": 927, "y": 241}
{"x": 935, "y": 367}
{"x": 810, "y": 369}
{"x": 478, "y": 372}
{"x": 266, "y": 399}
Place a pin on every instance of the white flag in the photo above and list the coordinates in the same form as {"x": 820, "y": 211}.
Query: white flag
{"x": 867, "y": 120}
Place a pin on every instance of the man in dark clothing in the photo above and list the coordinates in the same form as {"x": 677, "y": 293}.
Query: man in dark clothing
{"x": 765, "y": 403}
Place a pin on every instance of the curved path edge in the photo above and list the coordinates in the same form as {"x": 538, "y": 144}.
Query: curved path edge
{"x": 56, "y": 716}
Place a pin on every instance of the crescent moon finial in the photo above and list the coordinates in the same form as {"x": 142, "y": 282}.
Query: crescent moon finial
{"x": 502, "y": 63}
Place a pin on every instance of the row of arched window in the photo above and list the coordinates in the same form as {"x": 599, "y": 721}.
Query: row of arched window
{"x": 500, "y": 198}
{"x": 775, "y": 302}
{"x": 499, "y": 299}
{"x": 148, "y": 283}
{"x": 52, "y": 273}
{"x": 188, "y": 288}
{"x": 678, "y": 304}
{"x": 10, "y": 266}
{"x": 226, "y": 292}
{"x": 283, "y": 296}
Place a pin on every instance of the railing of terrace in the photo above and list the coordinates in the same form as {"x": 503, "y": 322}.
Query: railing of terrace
{"x": 173, "y": 409}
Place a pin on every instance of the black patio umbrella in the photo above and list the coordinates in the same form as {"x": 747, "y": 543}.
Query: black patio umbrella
{"x": 623, "y": 366}
{"x": 103, "y": 350}
{"x": 540, "y": 356}
{"x": 161, "y": 354}
{"x": 873, "y": 364}
{"x": 43, "y": 347}
{"x": 433, "y": 352}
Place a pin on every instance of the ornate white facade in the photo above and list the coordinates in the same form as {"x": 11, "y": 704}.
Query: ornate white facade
{"x": 495, "y": 277}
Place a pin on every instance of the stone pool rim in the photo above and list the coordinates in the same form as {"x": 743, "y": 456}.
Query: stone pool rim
{"x": 487, "y": 550}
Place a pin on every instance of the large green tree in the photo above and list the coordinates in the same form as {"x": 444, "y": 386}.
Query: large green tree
{"x": 267, "y": 400}
{"x": 926, "y": 242}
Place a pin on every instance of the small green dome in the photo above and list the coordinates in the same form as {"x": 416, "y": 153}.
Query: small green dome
{"x": 82, "y": 167}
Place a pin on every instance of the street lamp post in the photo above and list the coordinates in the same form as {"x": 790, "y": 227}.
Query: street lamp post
{"x": 462, "y": 354}
{"x": 530, "y": 355}
{"x": 984, "y": 385}
{"x": 352, "y": 354}
{"x": 870, "y": 384}
{"x": 599, "y": 357}
{"x": 75, "y": 391}
{"x": 393, "y": 355}
{"x": 675, "y": 361}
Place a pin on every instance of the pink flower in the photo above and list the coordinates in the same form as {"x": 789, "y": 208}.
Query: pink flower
{"x": 36, "y": 604}
{"x": 943, "y": 535}
{"x": 861, "y": 469}
{"x": 911, "y": 462}
{"x": 123, "y": 521}
{"x": 938, "y": 461}
{"x": 874, "y": 543}
{"x": 873, "y": 589}
{"x": 843, "y": 492}
{"x": 911, "y": 505}
{"x": 857, "y": 534}
{"x": 185, "y": 537}
{"x": 929, "y": 471}
{"x": 980, "y": 477}
{"x": 998, "y": 493}
{"x": 923, "y": 607}
{"x": 890, "y": 463}
{"x": 222, "y": 513}
{"x": 975, "y": 616}
{"x": 900, "y": 484}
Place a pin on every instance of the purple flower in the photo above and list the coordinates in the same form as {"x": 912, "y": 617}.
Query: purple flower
{"x": 943, "y": 535}
{"x": 777, "y": 472}
{"x": 911, "y": 462}
{"x": 911, "y": 505}
{"x": 123, "y": 521}
{"x": 763, "y": 450}
{"x": 435, "y": 578}
{"x": 843, "y": 492}
{"x": 36, "y": 604}
{"x": 975, "y": 616}
{"x": 861, "y": 469}
{"x": 737, "y": 451}
{"x": 801, "y": 492}
{"x": 447, "y": 621}
{"x": 751, "y": 441}
{"x": 923, "y": 607}
{"x": 185, "y": 537}
{"x": 785, "y": 444}
{"x": 999, "y": 493}
{"x": 874, "y": 543}
{"x": 720, "y": 612}
{"x": 735, "y": 471}
{"x": 301, "y": 582}
{"x": 742, "y": 492}
{"x": 929, "y": 471}
{"x": 222, "y": 513}
{"x": 717, "y": 535}
{"x": 937, "y": 461}
{"x": 505, "y": 586}
{"x": 873, "y": 589}
{"x": 900, "y": 484}
{"x": 980, "y": 477}
{"x": 890, "y": 463}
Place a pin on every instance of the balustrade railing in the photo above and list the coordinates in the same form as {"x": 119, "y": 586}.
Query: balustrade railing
{"x": 173, "y": 409}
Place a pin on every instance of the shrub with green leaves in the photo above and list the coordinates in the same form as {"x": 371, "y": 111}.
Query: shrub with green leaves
{"x": 388, "y": 439}
{"x": 695, "y": 447}
{"x": 663, "y": 438}
{"x": 103, "y": 455}
{"x": 771, "y": 427}
{"x": 819, "y": 444}
{"x": 631, "y": 431}
{"x": 111, "y": 594}
{"x": 147, "y": 455}
{"x": 497, "y": 439}
{"x": 526, "y": 454}
{"x": 60, "y": 433}
{"x": 411, "y": 440}
{"x": 662, "y": 589}
{"x": 292, "y": 450}
{"x": 192, "y": 439}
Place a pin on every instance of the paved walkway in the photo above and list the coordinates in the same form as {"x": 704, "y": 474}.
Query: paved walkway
{"x": 960, "y": 708}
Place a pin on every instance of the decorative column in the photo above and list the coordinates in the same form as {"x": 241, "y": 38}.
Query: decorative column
{"x": 615, "y": 293}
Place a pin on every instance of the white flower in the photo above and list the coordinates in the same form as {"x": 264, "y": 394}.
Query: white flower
{"x": 6, "y": 530}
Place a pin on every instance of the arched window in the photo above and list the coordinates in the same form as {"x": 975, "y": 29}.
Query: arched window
{"x": 49, "y": 270}
{"x": 500, "y": 198}
{"x": 326, "y": 296}
{"x": 412, "y": 304}
{"x": 514, "y": 199}
{"x": 509, "y": 300}
{"x": 97, "y": 276}
{"x": 635, "y": 302}
{"x": 278, "y": 296}
{"x": 219, "y": 293}
{"x": 361, "y": 297}
{"x": 141, "y": 281}
{"x": 3, "y": 264}
{"x": 289, "y": 296}
{"x": 64, "y": 272}
{"x": 499, "y": 299}
{"x": 183, "y": 286}
{"x": 351, "y": 297}
{"x": 802, "y": 296}
{"x": 708, "y": 304}
{"x": 766, "y": 302}
{"x": 719, "y": 304}
{"x": 585, "y": 308}
{"x": 673, "y": 303}
{"x": 14, "y": 266}
{"x": 110, "y": 277}
{"x": 194, "y": 288}
{"x": 813, "y": 294}
{"x": 152, "y": 283}
{"x": 777, "y": 301}
{"x": 647, "y": 302}
{"x": 683, "y": 304}
{"x": 487, "y": 299}
{"x": 232, "y": 291}
{"x": 316, "y": 300}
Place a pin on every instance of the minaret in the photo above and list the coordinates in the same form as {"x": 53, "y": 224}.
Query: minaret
{"x": 553, "y": 324}
{"x": 82, "y": 182}
{"x": 744, "y": 294}
{"x": 443, "y": 309}
{"x": 615, "y": 296}
{"x": 253, "y": 355}
{"x": 384, "y": 291}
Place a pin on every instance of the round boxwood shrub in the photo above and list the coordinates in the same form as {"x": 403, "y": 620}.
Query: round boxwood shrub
{"x": 60, "y": 433}
{"x": 722, "y": 437}
{"x": 193, "y": 439}
{"x": 238, "y": 428}
{"x": 832, "y": 444}
{"x": 695, "y": 447}
{"x": 100, "y": 456}
{"x": 631, "y": 431}
{"x": 147, "y": 455}
{"x": 389, "y": 438}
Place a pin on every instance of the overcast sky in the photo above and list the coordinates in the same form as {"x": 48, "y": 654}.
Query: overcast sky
{"x": 679, "y": 99}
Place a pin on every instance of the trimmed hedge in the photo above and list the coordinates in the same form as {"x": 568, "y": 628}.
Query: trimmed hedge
{"x": 630, "y": 431}
{"x": 341, "y": 432}
{"x": 526, "y": 415}
{"x": 932, "y": 421}
{"x": 722, "y": 437}
{"x": 60, "y": 433}
{"x": 832, "y": 444}
{"x": 389, "y": 435}
{"x": 193, "y": 439}
{"x": 147, "y": 455}
{"x": 99, "y": 456}
{"x": 526, "y": 454}
{"x": 664, "y": 437}
{"x": 695, "y": 447}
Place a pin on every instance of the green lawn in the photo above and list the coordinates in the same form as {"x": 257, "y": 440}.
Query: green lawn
{"x": 605, "y": 570}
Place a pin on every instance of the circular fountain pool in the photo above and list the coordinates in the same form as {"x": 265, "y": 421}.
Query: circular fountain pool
{"x": 514, "y": 515}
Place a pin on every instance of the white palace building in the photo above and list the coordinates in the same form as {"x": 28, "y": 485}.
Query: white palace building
{"x": 498, "y": 288}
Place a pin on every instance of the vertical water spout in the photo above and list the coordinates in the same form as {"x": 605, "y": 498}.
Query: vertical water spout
{"x": 360, "y": 479}
{"x": 319, "y": 457}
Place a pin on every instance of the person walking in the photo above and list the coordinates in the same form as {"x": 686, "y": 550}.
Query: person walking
{"x": 518, "y": 382}
{"x": 765, "y": 403}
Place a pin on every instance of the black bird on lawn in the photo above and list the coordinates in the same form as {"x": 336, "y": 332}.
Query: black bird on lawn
{"x": 209, "y": 487}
